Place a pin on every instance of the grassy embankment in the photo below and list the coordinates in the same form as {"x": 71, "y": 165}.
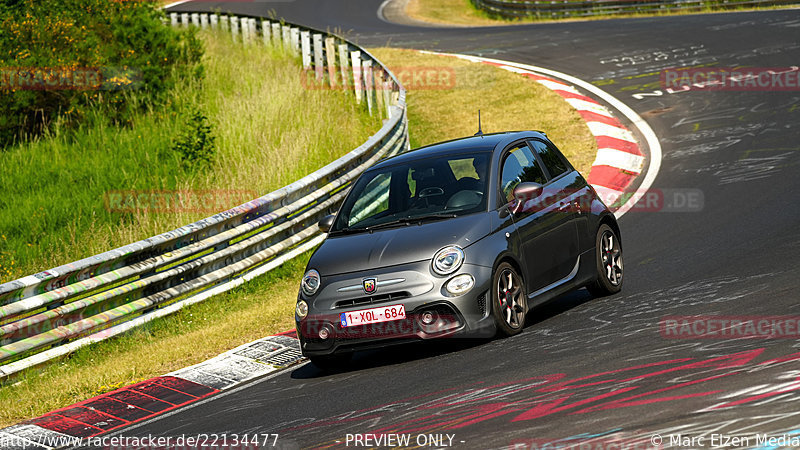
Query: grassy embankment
{"x": 464, "y": 13}
{"x": 264, "y": 306}
{"x": 55, "y": 188}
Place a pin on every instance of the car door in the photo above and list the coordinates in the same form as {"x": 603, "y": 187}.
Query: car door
{"x": 547, "y": 237}
{"x": 571, "y": 191}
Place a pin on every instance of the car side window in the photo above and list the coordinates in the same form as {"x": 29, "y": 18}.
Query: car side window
{"x": 519, "y": 166}
{"x": 551, "y": 158}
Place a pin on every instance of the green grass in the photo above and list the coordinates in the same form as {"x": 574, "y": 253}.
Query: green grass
{"x": 464, "y": 13}
{"x": 52, "y": 208}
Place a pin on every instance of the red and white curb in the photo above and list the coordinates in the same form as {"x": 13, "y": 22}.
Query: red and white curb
{"x": 77, "y": 424}
{"x": 619, "y": 159}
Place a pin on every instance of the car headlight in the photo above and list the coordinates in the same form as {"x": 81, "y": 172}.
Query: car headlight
{"x": 301, "y": 309}
{"x": 448, "y": 260}
{"x": 460, "y": 284}
{"x": 311, "y": 282}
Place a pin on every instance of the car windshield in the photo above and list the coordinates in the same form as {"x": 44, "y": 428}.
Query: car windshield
{"x": 421, "y": 190}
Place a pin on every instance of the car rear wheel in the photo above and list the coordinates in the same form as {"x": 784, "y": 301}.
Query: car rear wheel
{"x": 609, "y": 263}
{"x": 508, "y": 300}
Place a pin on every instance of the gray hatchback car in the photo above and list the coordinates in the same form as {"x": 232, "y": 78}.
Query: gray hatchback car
{"x": 458, "y": 238}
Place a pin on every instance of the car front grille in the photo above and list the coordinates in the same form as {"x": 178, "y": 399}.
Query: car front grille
{"x": 382, "y": 298}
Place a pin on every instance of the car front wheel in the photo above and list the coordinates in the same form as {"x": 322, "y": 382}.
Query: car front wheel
{"x": 508, "y": 300}
{"x": 609, "y": 263}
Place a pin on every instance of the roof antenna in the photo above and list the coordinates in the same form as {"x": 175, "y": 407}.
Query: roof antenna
{"x": 479, "y": 133}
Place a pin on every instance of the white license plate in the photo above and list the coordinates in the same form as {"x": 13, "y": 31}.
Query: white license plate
{"x": 374, "y": 315}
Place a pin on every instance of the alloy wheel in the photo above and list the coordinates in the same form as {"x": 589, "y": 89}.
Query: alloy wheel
{"x": 611, "y": 255}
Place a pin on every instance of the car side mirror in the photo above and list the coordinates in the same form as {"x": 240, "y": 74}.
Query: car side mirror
{"x": 326, "y": 223}
{"x": 524, "y": 192}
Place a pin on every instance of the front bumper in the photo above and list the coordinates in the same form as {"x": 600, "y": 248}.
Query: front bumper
{"x": 420, "y": 292}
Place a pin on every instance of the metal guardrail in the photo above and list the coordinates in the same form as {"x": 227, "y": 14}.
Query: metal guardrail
{"x": 52, "y": 313}
{"x": 559, "y": 9}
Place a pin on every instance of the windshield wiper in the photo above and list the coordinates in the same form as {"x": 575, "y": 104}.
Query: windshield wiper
{"x": 411, "y": 219}
{"x": 389, "y": 224}
{"x": 393, "y": 223}
{"x": 347, "y": 230}
{"x": 427, "y": 217}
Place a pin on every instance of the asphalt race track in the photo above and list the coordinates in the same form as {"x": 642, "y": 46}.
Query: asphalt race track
{"x": 593, "y": 370}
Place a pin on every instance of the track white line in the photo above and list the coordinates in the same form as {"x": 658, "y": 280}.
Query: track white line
{"x": 619, "y": 159}
{"x": 604, "y": 129}
{"x": 583, "y": 105}
{"x": 381, "y": 16}
{"x": 177, "y": 3}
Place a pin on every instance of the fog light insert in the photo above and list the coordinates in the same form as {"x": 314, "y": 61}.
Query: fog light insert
{"x": 324, "y": 333}
{"x": 302, "y": 309}
{"x": 460, "y": 284}
{"x": 428, "y": 317}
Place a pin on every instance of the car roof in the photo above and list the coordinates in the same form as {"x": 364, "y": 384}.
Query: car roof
{"x": 472, "y": 144}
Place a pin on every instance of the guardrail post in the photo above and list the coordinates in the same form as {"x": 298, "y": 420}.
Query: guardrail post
{"x": 204, "y": 21}
{"x": 330, "y": 53}
{"x": 294, "y": 34}
{"x": 249, "y": 25}
{"x": 185, "y": 20}
{"x": 173, "y": 19}
{"x": 343, "y": 65}
{"x": 369, "y": 84}
{"x": 253, "y": 28}
{"x": 234, "y": 21}
{"x": 285, "y": 36}
{"x": 224, "y": 22}
{"x": 356, "y": 58}
{"x": 276, "y": 33}
{"x": 318, "y": 63}
{"x": 265, "y": 31}
{"x": 245, "y": 31}
{"x": 378, "y": 76}
{"x": 195, "y": 19}
{"x": 305, "y": 48}
{"x": 387, "y": 97}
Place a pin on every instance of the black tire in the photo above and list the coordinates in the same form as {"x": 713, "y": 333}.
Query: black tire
{"x": 332, "y": 362}
{"x": 509, "y": 300}
{"x": 608, "y": 249}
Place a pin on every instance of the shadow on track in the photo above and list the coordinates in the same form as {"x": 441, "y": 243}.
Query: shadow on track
{"x": 414, "y": 351}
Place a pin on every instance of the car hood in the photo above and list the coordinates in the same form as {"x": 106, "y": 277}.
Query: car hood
{"x": 395, "y": 246}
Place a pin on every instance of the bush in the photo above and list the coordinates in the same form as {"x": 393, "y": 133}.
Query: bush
{"x": 59, "y": 58}
{"x": 195, "y": 146}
